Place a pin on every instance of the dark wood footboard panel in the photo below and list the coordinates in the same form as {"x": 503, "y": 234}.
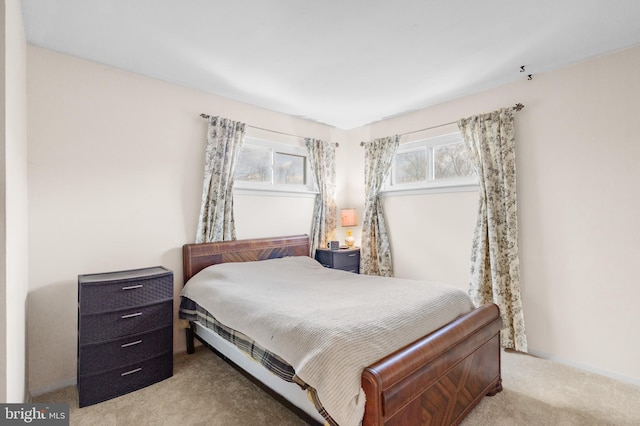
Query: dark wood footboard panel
{"x": 438, "y": 379}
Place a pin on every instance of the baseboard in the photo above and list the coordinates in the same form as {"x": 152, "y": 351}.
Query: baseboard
{"x": 585, "y": 367}
{"x": 54, "y": 387}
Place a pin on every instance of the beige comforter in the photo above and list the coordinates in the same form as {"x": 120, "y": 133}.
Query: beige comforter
{"x": 328, "y": 324}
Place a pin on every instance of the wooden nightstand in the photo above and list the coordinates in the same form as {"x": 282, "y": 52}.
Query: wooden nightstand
{"x": 125, "y": 332}
{"x": 344, "y": 259}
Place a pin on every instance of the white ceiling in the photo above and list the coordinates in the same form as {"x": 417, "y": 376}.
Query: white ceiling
{"x": 345, "y": 63}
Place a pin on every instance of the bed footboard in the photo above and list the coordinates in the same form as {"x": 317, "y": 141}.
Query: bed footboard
{"x": 438, "y": 379}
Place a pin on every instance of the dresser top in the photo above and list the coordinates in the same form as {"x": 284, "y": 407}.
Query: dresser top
{"x": 123, "y": 275}
{"x": 340, "y": 250}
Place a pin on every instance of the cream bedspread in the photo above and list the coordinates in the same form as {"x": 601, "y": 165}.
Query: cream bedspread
{"x": 328, "y": 324}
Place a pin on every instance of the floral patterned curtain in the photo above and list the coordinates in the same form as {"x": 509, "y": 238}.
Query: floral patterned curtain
{"x": 224, "y": 142}
{"x": 375, "y": 253}
{"x": 322, "y": 156}
{"x": 495, "y": 272}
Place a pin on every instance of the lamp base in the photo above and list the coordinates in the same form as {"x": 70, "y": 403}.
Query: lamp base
{"x": 349, "y": 241}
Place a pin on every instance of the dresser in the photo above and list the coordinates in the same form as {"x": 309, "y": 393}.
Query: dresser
{"x": 125, "y": 332}
{"x": 344, "y": 259}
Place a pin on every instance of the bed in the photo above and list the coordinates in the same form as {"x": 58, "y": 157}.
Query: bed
{"x": 434, "y": 380}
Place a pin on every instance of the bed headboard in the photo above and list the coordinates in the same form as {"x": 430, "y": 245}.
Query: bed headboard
{"x": 196, "y": 257}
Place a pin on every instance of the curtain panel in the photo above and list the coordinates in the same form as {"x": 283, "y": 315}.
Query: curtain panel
{"x": 224, "y": 142}
{"x": 375, "y": 253}
{"x": 494, "y": 271}
{"x": 322, "y": 156}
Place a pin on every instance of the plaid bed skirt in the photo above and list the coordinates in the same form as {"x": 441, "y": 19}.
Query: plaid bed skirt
{"x": 191, "y": 311}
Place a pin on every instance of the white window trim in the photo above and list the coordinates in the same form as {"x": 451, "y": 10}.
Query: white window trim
{"x": 469, "y": 184}
{"x": 277, "y": 190}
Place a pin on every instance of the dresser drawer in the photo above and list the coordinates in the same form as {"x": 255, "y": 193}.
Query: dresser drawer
{"x": 99, "y": 357}
{"x": 112, "y": 325}
{"x": 346, "y": 260}
{"x": 100, "y": 387}
{"x": 325, "y": 257}
{"x": 119, "y": 290}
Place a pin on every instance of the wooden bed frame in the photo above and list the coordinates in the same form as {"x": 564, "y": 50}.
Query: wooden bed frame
{"x": 435, "y": 380}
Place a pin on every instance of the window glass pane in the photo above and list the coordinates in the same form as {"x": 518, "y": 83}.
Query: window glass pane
{"x": 451, "y": 161}
{"x": 289, "y": 169}
{"x": 411, "y": 166}
{"x": 254, "y": 165}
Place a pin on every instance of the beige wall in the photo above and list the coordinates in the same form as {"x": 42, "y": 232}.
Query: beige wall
{"x": 3, "y": 204}
{"x": 115, "y": 176}
{"x": 115, "y": 165}
{"x": 13, "y": 239}
{"x": 579, "y": 197}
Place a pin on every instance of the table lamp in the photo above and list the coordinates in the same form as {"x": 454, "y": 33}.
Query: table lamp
{"x": 348, "y": 218}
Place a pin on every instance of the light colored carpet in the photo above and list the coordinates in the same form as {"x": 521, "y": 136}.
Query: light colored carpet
{"x": 542, "y": 392}
{"x": 206, "y": 391}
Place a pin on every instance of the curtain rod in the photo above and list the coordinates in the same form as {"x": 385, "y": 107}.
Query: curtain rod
{"x": 517, "y": 107}
{"x": 203, "y": 115}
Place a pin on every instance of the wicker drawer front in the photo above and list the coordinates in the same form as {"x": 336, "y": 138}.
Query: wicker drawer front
{"x": 346, "y": 260}
{"x": 102, "y": 296}
{"x": 112, "y": 325}
{"x": 325, "y": 257}
{"x": 106, "y": 356}
{"x": 100, "y": 387}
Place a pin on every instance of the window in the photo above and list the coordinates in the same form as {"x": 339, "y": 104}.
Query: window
{"x": 269, "y": 166}
{"x": 437, "y": 164}
{"x": 289, "y": 169}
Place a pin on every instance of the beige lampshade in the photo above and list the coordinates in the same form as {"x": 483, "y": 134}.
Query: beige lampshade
{"x": 348, "y": 217}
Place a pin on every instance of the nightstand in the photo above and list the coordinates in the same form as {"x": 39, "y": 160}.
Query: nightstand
{"x": 344, "y": 259}
{"x": 125, "y": 332}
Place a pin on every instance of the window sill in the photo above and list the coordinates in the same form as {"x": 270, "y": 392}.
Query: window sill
{"x": 274, "y": 192}
{"x": 474, "y": 187}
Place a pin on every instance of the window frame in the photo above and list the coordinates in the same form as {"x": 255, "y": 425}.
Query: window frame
{"x": 272, "y": 188}
{"x": 430, "y": 185}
